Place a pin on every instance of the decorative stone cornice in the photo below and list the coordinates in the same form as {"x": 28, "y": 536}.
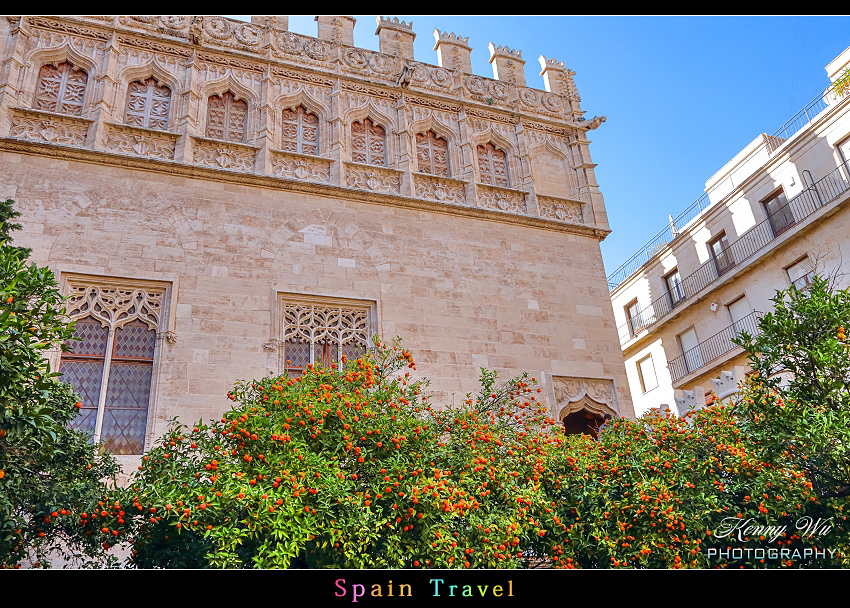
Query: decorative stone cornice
{"x": 9, "y": 144}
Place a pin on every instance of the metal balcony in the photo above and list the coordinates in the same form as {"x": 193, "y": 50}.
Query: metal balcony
{"x": 713, "y": 348}
{"x": 824, "y": 191}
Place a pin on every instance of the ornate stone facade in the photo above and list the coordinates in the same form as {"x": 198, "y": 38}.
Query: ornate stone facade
{"x": 234, "y": 162}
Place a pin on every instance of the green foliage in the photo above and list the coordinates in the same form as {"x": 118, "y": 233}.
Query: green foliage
{"x": 47, "y": 471}
{"x": 805, "y": 423}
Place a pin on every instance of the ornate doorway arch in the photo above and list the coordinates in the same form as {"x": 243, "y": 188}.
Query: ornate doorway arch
{"x": 582, "y": 404}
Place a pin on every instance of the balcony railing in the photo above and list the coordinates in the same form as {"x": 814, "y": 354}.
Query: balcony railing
{"x": 824, "y": 191}
{"x": 823, "y": 100}
{"x": 713, "y": 348}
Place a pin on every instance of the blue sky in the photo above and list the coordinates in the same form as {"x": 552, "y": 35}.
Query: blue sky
{"x": 682, "y": 95}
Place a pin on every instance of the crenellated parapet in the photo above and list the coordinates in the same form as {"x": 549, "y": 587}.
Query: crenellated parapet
{"x": 258, "y": 99}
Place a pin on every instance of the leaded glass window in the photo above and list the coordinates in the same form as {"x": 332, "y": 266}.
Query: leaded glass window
{"x": 432, "y": 154}
{"x": 111, "y": 364}
{"x": 147, "y": 105}
{"x": 226, "y": 117}
{"x": 493, "y": 166}
{"x": 61, "y": 89}
{"x": 368, "y": 143}
{"x": 320, "y": 334}
{"x": 300, "y": 131}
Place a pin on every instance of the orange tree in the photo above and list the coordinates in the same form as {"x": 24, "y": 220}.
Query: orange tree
{"x": 348, "y": 467}
{"x": 48, "y": 472}
{"x": 353, "y": 468}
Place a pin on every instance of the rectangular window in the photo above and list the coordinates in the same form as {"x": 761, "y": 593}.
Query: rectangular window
{"x": 675, "y": 290}
{"x": 718, "y": 247}
{"x": 633, "y": 317}
{"x": 739, "y": 310}
{"x": 690, "y": 350}
{"x": 801, "y": 273}
{"x": 111, "y": 364}
{"x": 320, "y": 331}
{"x": 779, "y": 214}
{"x": 646, "y": 374}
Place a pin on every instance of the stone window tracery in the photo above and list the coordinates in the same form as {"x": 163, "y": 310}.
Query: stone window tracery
{"x": 493, "y": 166}
{"x": 61, "y": 89}
{"x": 300, "y": 131}
{"x": 148, "y": 105}
{"x": 368, "y": 143}
{"x": 432, "y": 154}
{"x": 320, "y": 333}
{"x": 226, "y": 117}
{"x": 111, "y": 366}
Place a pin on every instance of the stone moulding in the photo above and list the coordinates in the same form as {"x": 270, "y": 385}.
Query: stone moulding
{"x": 224, "y": 154}
{"x": 560, "y": 209}
{"x": 443, "y": 189}
{"x": 215, "y": 173}
{"x": 501, "y": 199}
{"x": 138, "y": 141}
{"x": 593, "y": 394}
{"x": 48, "y": 127}
{"x": 301, "y": 166}
{"x": 372, "y": 177}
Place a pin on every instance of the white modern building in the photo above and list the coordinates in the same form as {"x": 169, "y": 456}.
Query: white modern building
{"x": 775, "y": 214}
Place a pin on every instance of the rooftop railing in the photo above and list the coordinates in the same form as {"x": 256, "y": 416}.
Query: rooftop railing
{"x": 774, "y": 141}
{"x": 820, "y": 193}
{"x": 713, "y": 348}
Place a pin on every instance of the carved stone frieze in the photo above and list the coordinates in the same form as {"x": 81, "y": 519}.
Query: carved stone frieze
{"x": 594, "y": 394}
{"x": 124, "y": 139}
{"x": 153, "y": 45}
{"x": 301, "y": 166}
{"x": 369, "y": 177}
{"x": 368, "y": 63}
{"x": 439, "y": 188}
{"x": 48, "y": 127}
{"x": 224, "y": 155}
{"x": 115, "y": 306}
{"x": 291, "y": 46}
{"x": 501, "y": 199}
{"x": 67, "y": 27}
{"x": 560, "y": 209}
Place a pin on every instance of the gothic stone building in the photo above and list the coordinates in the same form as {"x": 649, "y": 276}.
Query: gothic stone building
{"x": 221, "y": 199}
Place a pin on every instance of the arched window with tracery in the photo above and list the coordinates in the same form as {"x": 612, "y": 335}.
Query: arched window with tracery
{"x": 300, "y": 131}
{"x": 61, "y": 89}
{"x": 226, "y": 117}
{"x": 493, "y": 166}
{"x": 148, "y": 104}
{"x": 110, "y": 363}
{"x": 368, "y": 143}
{"x": 432, "y": 154}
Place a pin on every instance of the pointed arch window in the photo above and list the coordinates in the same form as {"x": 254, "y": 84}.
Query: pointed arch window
{"x": 148, "y": 104}
{"x": 493, "y": 166}
{"x": 368, "y": 143}
{"x": 226, "y": 117}
{"x": 111, "y": 364}
{"x": 61, "y": 89}
{"x": 300, "y": 131}
{"x": 432, "y": 154}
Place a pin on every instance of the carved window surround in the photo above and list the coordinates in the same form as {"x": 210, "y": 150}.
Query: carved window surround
{"x": 442, "y": 189}
{"x": 113, "y": 304}
{"x": 374, "y": 178}
{"x": 49, "y": 127}
{"x": 501, "y": 199}
{"x": 595, "y": 395}
{"x": 220, "y": 154}
{"x": 308, "y": 329}
{"x": 140, "y": 141}
{"x": 301, "y": 166}
{"x": 560, "y": 209}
